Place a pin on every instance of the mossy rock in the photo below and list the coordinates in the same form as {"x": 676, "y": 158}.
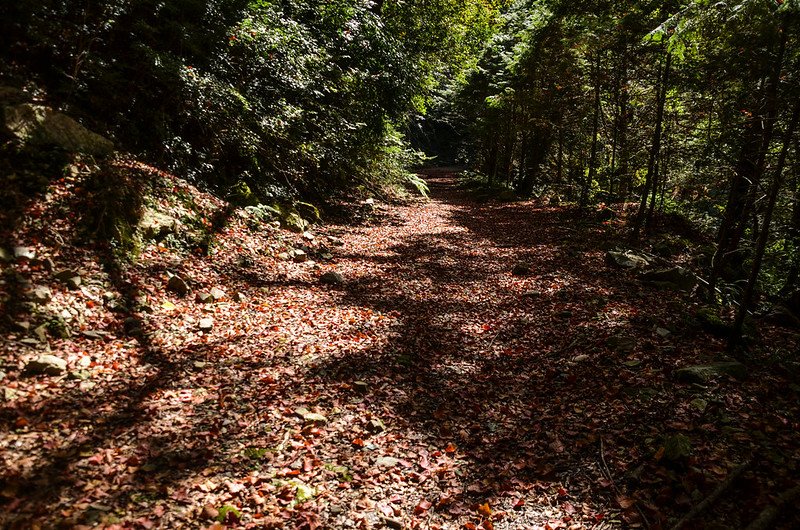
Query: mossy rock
{"x": 294, "y": 222}
{"x": 308, "y": 211}
{"x": 677, "y": 448}
{"x": 702, "y": 374}
{"x": 240, "y": 194}
{"x": 708, "y": 318}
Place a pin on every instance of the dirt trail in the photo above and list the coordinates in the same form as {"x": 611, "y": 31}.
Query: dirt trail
{"x": 433, "y": 389}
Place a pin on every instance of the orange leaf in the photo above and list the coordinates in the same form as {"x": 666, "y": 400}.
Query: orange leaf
{"x": 450, "y": 449}
{"x": 470, "y": 526}
{"x": 358, "y": 442}
{"x": 485, "y": 510}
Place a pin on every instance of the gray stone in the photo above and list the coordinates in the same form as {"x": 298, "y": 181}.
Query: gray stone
{"x": 331, "y": 278}
{"x": 387, "y": 461}
{"x": 702, "y": 374}
{"x": 46, "y": 365}
{"x": 24, "y": 253}
{"x": 40, "y": 295}
{"x": 156, "y": 225}
{"x": 361, "y": 387}
{"x": 218, "y": 294}
{"x": 308, "y": 211}
{"x": 203, "y": 298}
{"x": 663, "y": 332}
{"x": 626, "y": 259}
{"x": 375, "y": 426}
{"x": 308, "y": 236}
{"x": 677, "y": 447}
{"x": 284, "y": 256}
{"x": 39, "y": 125}
{"x": 300, "y": 256}
{"x": 674, "y": 278}
{"x": 206, "y": 324}
{"x": 311, "y": 417}
{"x": 74, "y": 282}
{"x": 239, "y": 297}
{"x": 177, "y": 285}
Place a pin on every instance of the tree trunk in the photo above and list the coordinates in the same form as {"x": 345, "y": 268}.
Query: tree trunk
{"x": 587, "y": 184}
{"x": 652, "y": 163}
{"x": 763, "y": 236}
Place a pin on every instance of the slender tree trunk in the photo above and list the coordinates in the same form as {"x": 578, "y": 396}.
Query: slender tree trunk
{"x": 763, "y": 237}
{"x": 747, "y": 177}
{"x": 652, "y": 163}
{"x": 587, "y": 185}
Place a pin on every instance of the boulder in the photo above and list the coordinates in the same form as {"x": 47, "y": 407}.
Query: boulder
{"x": 39, "y": 125}
{"x": 674, "y": 278}
{"x": 331, "y": 278}
{"x": 178, "y": 285}
{"x": 627, "y": 259}
{"x": 46, "y": 365}
{"x": 702, "y": 374}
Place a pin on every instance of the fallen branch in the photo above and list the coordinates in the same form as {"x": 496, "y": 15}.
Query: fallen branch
{"x": 767, "y": 517}
{"x": 715, "y": 495}
{"x": 614, "y": 483}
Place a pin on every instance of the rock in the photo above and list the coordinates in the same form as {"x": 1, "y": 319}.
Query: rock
{"x": 335, "y": 241}
{"x": 206, "y": 324}
{"x": 292, "y": 221}
{"x": 65, "y": 274}
{"x": 361, "y": 387}
{"x": 40, "y": 332}
{"x": 674, "y": 278}
{"x": 40, "y": 295}
{"x": 133, "y": 327}
{"x": 331, "y": 278}
{"x": 387, "y": 461}
{"x": 239, "y": 297}
{"x": 663, "y": 332}
{"x": 218, "y": 294}
{"x": 39, "y": 125}
{"x": 622, "y": 344}
{"x": 74, "y": 282}
{"x": 677, "y": 447}
{"x": 176, "y": 284}
{"x": 284, "y": 256}
{"x": 5, "y": 255}
{"x": 376, "y": 426}
{"x": 155, "y": 226}
{"x": 24, "y": 253}
{"x": 311, "y": 417}
{"x": 308, "y": 236}
{"x": 627, "y": 259}
{"x": 203, "y": 298}
{"x": 521, "y": 269}
{"x": 46, "y": 365}
{"x": 532, "y": 294}
{"x": 308, "y": 211}
{"x": 58, "y": 328}
{"x": 702, "y": 374}
{"x": 300, "y": 256}
{"x": 708, "y": 318}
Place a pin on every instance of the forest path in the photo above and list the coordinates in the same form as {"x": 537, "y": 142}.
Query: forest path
{"x": 432, "y": 388}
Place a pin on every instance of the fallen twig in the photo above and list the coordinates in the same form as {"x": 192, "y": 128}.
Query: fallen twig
{"x": 767, "y": 517}
{"x": 715, "y": 495}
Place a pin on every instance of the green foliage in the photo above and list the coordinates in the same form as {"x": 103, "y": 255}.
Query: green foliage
{"x": 293, "y": 97}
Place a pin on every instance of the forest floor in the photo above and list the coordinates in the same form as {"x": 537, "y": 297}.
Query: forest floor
{"x": 431, "y": 389}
